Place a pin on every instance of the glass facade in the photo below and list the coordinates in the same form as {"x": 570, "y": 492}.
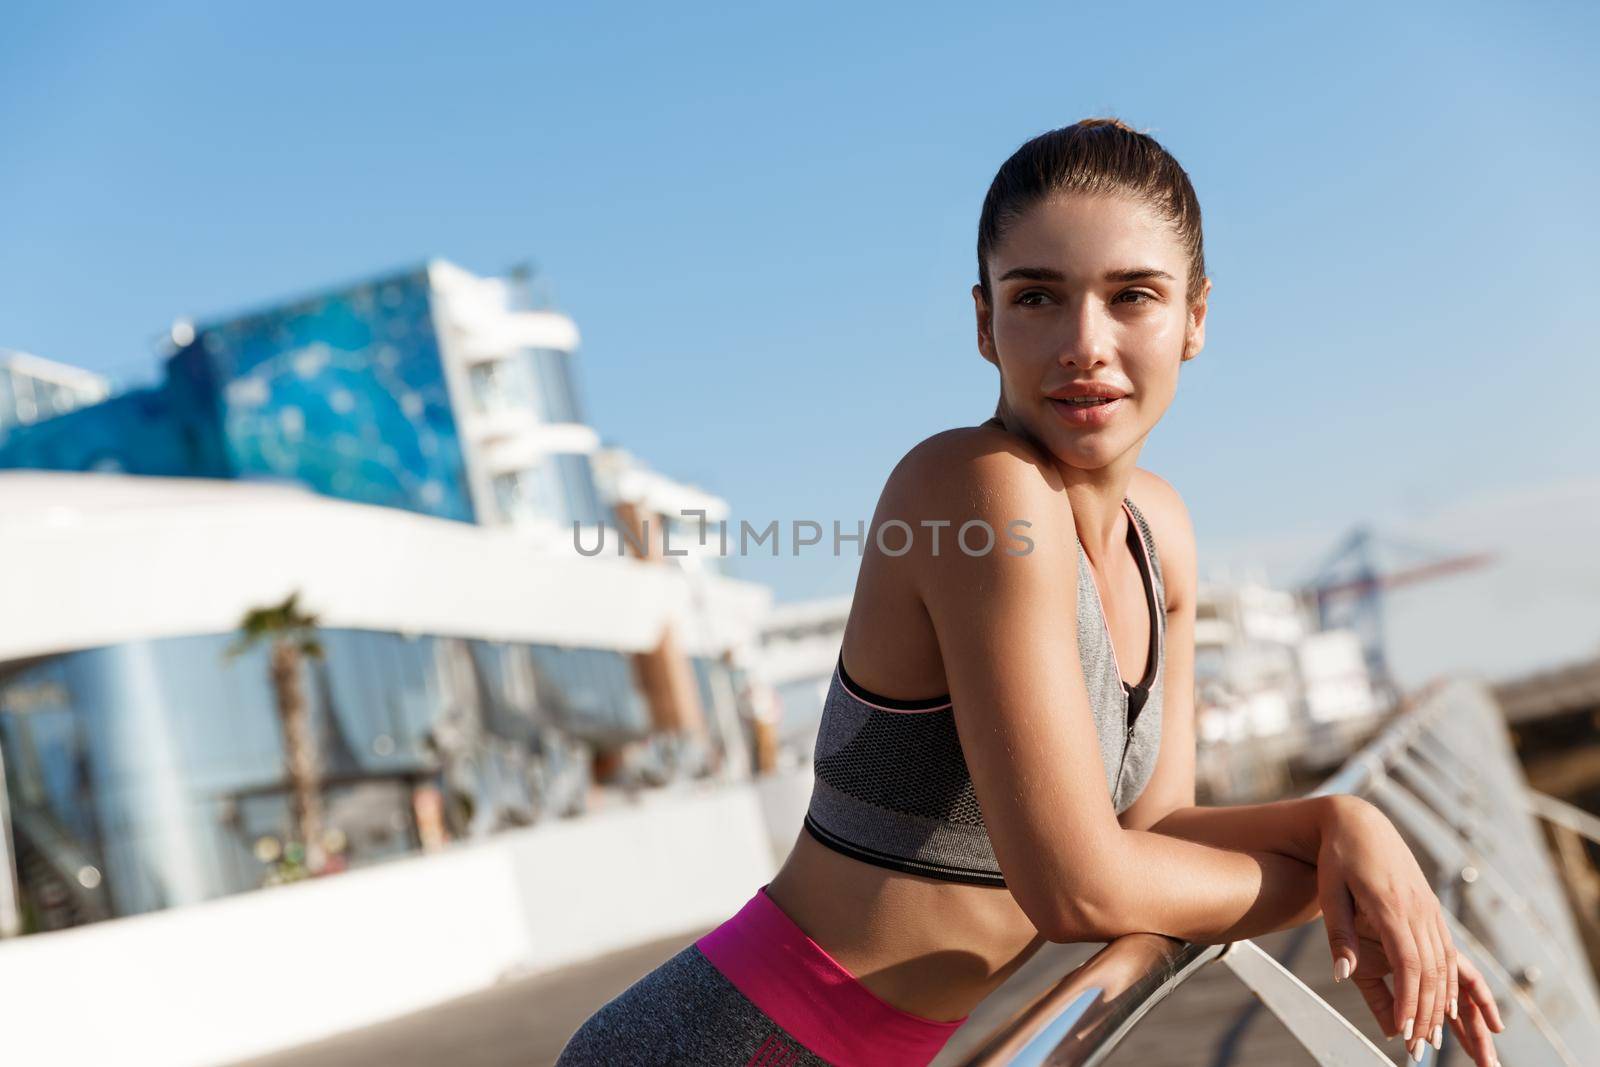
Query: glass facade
{"x": 150, "y": 774}
{"x": 538, "y": 380}
{"x": 558, "y": 392}
{"x": 503, "y": 385}
{"x": 344, "y": 393}
{"x": 144, "y": 431}
{"x": 718, "y": 685}
{"x": 560, "y": 487}
{"x": 580, "y": 500}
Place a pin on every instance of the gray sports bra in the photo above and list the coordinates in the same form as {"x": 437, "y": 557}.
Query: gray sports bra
{"x": 892, "y": 786}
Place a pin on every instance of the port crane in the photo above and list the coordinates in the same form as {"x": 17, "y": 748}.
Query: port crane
{"x": 1346, "y": 591}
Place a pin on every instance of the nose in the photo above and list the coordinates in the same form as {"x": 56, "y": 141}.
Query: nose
{"x": 1086, "y": 337}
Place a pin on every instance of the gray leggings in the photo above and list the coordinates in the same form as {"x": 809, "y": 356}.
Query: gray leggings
{"x": 684, "y": 1012}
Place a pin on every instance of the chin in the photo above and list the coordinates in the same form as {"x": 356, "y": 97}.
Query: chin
{"x": 1084, "y": 455}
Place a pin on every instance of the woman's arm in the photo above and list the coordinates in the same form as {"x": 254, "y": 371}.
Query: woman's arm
{"x": 1007, "y": 630}
{"x": 1198, "y": 893}
{"x": 1295, "y": 828}
{"x": 1006, "y": 623}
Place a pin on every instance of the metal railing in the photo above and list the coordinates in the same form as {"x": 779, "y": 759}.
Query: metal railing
{"x": 1445, "y": 773}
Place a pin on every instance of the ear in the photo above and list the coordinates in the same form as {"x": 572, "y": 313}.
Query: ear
{"x": 985, "y": 326}
{"x": 1195, "y": 333}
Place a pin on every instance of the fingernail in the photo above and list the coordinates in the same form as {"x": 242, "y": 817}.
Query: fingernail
{"x": 1452, "y": 1007}
{"x": 1341, "y": 970}
{"x": 1438, "y": 1037}
{"x": 1410, "y": 1025}
{"x": 1416, "y": 1052}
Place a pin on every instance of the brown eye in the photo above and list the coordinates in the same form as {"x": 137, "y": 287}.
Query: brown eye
{"x": 1028, "y": 298}
{"x": 1143, "y": 297}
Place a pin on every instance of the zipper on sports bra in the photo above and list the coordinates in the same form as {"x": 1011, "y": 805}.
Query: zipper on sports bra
{"x": 1130, "y": 714}
{"x": 1127, "y": 743}
{"x": 1132, "y": 718}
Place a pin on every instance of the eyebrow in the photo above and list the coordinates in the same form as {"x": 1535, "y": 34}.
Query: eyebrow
{"x": 1050, "y": 274}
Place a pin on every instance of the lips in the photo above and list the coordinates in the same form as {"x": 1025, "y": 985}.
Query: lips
{"x": 1080, "y": 390}
{"x": 1087, "y": 411}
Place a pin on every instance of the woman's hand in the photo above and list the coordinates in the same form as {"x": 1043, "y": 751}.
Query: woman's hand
{"x": 1478, "y": 1017}
{"x": 1368, "y": 879}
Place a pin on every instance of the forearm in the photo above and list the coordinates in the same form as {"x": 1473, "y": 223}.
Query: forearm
{"x": 1291, "y": 828}
{"x": 1196, "y": 892}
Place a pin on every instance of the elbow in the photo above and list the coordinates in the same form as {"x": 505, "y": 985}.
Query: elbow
{"x": 1082, "y": 897}
{"x": 1085, "y": 915}
{"x": 1092, "y": 905}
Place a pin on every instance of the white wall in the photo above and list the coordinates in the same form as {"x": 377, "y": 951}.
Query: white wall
{"x": 124, "y": 558}
{"x": 238, "y": 977}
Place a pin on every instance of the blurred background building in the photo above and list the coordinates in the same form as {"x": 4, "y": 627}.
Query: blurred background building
{"x": 411, "y": 454}
{"x": 32, "y": 389}
{"x": 1275, "y": 697}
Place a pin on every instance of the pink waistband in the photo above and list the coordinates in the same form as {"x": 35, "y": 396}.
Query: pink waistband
{"x": 810, "y": 994}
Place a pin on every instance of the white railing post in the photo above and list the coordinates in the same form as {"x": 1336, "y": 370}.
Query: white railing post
{"x": 1328, "y": 1036}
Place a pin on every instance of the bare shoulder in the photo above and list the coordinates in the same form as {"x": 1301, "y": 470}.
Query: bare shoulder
{"x": 1163, "y": 508}
{"x": 975, "y": 469}
{"x": 980, "y": 507}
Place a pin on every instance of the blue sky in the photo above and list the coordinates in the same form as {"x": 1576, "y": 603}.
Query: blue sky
{"x": 762, "y": 219}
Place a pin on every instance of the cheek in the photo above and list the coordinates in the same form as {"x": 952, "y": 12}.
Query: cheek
{"x": 1021, "y": 340}
{"x": 1157, "y": 341}
{"x": 1153, "y": 358}
{"x": 1161, "y": 331}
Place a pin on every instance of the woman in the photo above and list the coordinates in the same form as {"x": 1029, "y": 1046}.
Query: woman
{"x": 1006, "y": 754}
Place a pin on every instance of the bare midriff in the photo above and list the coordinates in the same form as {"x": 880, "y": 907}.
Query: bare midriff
{"x": 930, "y": 947}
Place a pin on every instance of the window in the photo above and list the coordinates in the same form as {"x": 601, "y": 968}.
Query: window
{"x": 590, "y": 691}
{"x": 558, "y": 393}
{"x": 580, "y": 497}
{"x": 538, "y": 380}
{"x": 509, "y": 497}
{"x": 560, "y": 487}
{"x": 502, "y": 385}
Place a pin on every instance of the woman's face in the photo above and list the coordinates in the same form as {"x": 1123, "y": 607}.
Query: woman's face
{"x": 1089, "y": 291}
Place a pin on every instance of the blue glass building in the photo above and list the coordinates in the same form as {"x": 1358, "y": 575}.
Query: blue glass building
{"x": 351, "y": 394}
{"x": 147, "y": 770}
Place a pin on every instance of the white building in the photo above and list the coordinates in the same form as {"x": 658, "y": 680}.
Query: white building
{"x": 799, "y": 646}
{"x": 1270, "y": 691}
{"x": 409, "y": 454}
{"x": 524, "y": 436}
{"x": 1262, "y": 671}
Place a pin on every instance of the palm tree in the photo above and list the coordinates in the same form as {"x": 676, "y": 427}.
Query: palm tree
{"x": 291, "y": 636}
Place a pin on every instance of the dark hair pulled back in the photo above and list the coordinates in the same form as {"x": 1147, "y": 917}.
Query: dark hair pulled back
{"x": 1096, "y": 156}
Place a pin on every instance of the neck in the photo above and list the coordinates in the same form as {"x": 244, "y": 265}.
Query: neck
{"x": 1095, "y": 495}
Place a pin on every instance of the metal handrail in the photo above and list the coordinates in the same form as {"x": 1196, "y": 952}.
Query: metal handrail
{"x": 1105, "y": 998}
{"x": 1496, "y": 882}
